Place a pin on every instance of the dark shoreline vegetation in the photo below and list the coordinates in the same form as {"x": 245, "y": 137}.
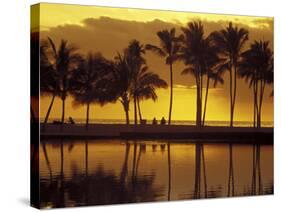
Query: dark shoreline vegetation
{"x": 94, "y": 79}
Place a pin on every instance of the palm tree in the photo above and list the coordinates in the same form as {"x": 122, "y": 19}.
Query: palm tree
{"x": 131, "y": 79}
{"x": 256, "y": 66}
{"x": 34, "y": 87}
{"x": 198, "y": 56}
{"x": 48, "y": 78}
{"x": 135, "y": 63}
{"x": 65, "y": 60}
{"x": 120, "y": 82}
{"x": 146, "y": 83}
{"x": 231, "y": 41}
{"x": 168, "y": 48}
{"x": 210, "y": 65}
{"x": 85, "y": 82}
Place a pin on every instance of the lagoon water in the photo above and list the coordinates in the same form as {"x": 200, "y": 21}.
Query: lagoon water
{"x": 98, "y": 172}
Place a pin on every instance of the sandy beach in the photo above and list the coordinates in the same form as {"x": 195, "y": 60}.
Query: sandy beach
{"x": 211, "y": 133}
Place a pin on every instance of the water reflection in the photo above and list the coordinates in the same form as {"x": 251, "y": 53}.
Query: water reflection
{"x": 111, "y": 172}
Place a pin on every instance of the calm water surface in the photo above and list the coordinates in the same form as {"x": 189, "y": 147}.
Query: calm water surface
{"x": 96, "y": 172}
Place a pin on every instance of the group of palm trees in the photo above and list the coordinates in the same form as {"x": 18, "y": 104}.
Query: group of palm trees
{"x": 93, "y": 79}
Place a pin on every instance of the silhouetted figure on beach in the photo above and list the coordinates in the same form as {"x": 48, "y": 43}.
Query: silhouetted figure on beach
{"x": 154, "y": 121}
{"x": 163, "y": 121}
{"x": 71, "y": 121}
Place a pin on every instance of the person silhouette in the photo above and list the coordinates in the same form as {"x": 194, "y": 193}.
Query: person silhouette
{"x": 154, "y": 121}
{"x": 163, "y": 121}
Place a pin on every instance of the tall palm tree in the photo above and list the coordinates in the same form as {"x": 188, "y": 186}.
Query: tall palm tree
{"x": 48, "y": 78}
{"x": 85, "y": 82}
{"x": 256, "y": 66}
{"x": 200, "y": 57}
{"x": 135, "y": 62}
{"x": 231, "y": 42}
{"x": 65, "y": 59}
{"x": 119, "y": 83}
{"x": 168, "y": 48}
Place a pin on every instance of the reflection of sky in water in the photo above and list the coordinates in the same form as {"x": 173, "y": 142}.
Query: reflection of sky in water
{"x": 140, "y": 172}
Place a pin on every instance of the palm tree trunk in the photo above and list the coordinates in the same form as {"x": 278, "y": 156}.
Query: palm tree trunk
{"x": 87, "y": 115}
{"x": 262, "y": 86}
{"x": 230, "y": 94}
{"x": 138, "y": 102}
{"x": 234, "y": 92}
{"x": 135, "y": 110}
{"x": 255, "y": 103}
{"x": 127, "y": 117}
{"x": 171, "y": 92}
{"x": 63, "y": 111}
{"x": 169, "y": 172}
{"x": 49, "y": 111}
{"x": 198, "y": 111}
{"x": 206, "y": 98}
{"x": 125, "y": 104}
{"x": 201, "y": 95}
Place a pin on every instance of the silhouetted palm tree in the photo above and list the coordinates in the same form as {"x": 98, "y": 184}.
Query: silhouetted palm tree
{"x": 135, "y": 62}
{"x": 130, "y": 79}
{"x": 119, "y": 83}
{"x": 86, "y": 82}
{"x": 210, "y": 65}
{"x": 256, "y": 66}
{"x": 64, "y": 60}
{"x": 231, "y": 41}
{"x": 48, "y": 78}
{"x": 168, "y": 48}
{"x": 200, "y": 57}
{"x": 146, "y": 84}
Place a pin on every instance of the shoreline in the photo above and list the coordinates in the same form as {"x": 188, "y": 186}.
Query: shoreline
{"x": 210, "y": 134}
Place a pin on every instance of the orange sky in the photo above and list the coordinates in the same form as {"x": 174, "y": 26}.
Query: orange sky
{"x": 109, "y": 30}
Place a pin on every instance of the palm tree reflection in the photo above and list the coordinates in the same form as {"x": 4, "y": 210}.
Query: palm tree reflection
{"x": 200, "y": 155}
{"x": 47, "y": 160}
{"x": 257, "y": 188}
{"x": 169, "y": 171}
{"x": 230, "y": 187}
{"x": 100, "y": 187}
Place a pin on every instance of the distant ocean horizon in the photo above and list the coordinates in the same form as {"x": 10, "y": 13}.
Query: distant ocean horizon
{"x": 174, "y": 122}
